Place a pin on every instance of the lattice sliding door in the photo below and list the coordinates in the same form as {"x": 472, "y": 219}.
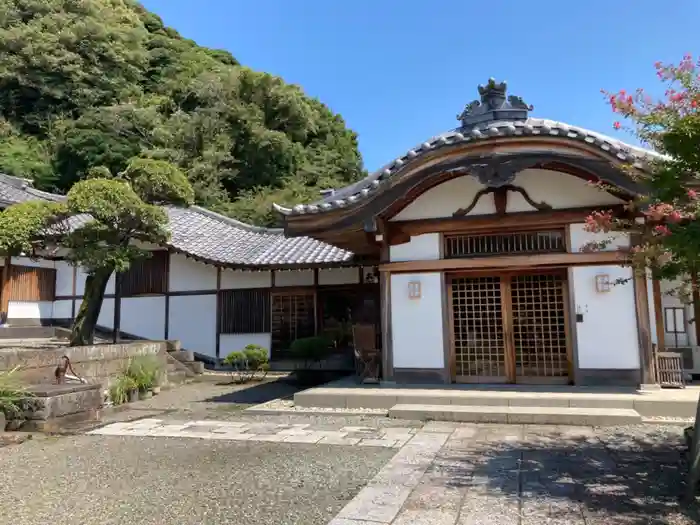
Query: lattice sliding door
{"x": 479, "y": 341}
{"x": 539, "y": 328}
{"x": 510, "y": 328}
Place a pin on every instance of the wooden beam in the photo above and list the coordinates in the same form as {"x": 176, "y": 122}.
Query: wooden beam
{"x": 511, "y": 262}
{"x": 521, "y": 221}
{"x": 658, "y": 315}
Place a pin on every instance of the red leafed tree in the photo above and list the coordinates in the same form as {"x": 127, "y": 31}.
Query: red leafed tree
{"x": 665, "y": 222}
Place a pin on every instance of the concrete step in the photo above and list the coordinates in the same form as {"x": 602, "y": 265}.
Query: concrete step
{"x": 184, "y": 356}
{"x": 539, "y": 415}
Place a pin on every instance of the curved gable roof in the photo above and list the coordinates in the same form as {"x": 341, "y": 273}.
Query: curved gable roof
{"x": 494, "y": 116}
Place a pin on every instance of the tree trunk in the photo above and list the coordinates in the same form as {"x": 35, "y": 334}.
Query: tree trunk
{"x": 83, "y": 331}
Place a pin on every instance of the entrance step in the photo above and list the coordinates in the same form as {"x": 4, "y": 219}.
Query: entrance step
{"x": 538, "y": 415}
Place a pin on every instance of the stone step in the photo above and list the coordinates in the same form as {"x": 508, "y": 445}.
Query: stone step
{"x": 538, "y": 415}
{"x": 184, "y": 356}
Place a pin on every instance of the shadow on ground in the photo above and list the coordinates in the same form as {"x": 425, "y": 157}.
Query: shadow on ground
{"x": 257, "y": 393}
{"x": 610, "y": 476}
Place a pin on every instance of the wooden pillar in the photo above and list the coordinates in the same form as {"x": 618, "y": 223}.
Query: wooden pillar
{"x": 696, "y": 308}
{"x": 116, "y": 336}
{"x": 218, "y": 314}
{"x": 166, "y": 328}
{"x": 317, "y": 320}
{"x": 646, "y": 355}
{"x": 658, "y": 316}
{"x": 6, "y": 288}
{"x": 385, "y": 306}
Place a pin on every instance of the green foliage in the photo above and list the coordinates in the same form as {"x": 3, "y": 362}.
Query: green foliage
{"x": 119, "y": 391}
{"x": 144, "y": 371}
{"x": 248, "y": 362}
{"x": 94, "y": 83}
{"x": 12, "y": 393}
{"x": 311, "y": 349}
{"x": 159, "y": 182}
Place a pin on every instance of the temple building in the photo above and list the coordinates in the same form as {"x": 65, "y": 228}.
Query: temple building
{"x": 465, "y": 253}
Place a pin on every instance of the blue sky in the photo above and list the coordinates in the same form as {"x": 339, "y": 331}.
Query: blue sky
{"x": 399, "y": 71}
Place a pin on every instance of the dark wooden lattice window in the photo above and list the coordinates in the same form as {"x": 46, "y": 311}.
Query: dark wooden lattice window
{"x": 293, "y": 317}
{"x": 146, "y": 276}
{"x": 244, "y": 311}
{"x": 507, "y": 243}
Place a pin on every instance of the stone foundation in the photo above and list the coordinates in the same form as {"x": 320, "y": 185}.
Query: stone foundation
{"x": 99, "y": 363}
{"x": 54, "y": 406}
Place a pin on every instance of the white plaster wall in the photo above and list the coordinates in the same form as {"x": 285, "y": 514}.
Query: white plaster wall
{"x": 339, "y": 276}
{"x": 425, "y": 247}
{"x": 559, "y": 190}
{"x": 30, "y": 310}
{"x": 231, "y": 279}
{"x": 64, "y": 279}
{"x": 63, "y": 309}
{"x": 80, "y": 283}
{"x": 579, "y": 237}
{"x": 445, "y": 199}
{"x": 187, "y": 274}
{"x": 193, "y": 322}
{"x": 417, "y": 324}
{"x": 143, "y": 317}
{"x": 607, "y": 338}
{"x": 236, "y": 342}
{"x": 106, "y": 317}
{"x": 294, "y": 278}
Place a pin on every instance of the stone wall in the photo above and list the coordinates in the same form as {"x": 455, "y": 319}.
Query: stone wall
{"x": 97, "y": 363}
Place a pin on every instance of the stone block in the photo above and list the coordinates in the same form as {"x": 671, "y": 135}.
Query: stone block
{"x": 184, "y": 356}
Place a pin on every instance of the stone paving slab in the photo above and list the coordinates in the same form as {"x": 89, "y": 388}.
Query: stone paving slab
{"x": 490, "y": 474}
{"x": 389, "y": 437}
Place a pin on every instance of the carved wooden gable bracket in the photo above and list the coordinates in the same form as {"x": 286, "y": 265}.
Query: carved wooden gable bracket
{"x": 497, "y": 178}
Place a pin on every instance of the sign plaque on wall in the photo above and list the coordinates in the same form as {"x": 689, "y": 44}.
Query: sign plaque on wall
{"x": 414, "y": 290}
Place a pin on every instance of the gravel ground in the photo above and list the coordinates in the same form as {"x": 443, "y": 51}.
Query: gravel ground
{"x": 160, "y": 481}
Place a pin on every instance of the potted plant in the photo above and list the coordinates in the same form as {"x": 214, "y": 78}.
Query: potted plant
{"x": 310, "y": 351}
{"x": 144, "y": 372}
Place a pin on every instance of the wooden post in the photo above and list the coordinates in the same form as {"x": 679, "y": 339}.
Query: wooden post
{"x": 218, "y": 314}
{"x": 116, "y": 336}
{"x": 641, "y": 303}
{"x": 658, "y": 315}
{"x": 6, "y": 288}
{"x": 166, "y": 328}
{"x": 385, "y": 306}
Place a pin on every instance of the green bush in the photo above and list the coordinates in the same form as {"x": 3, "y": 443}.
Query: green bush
{"x": 248, "y": 362}
{"x": 144, "y": 371}
{"x": 12, "y": 393}
{"x": 311, "y": 349}
{"x": 119, "y": 391}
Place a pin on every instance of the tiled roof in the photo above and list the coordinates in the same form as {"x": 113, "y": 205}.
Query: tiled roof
{"x": 213, "y": 238}
{"x": 495, "y": 115}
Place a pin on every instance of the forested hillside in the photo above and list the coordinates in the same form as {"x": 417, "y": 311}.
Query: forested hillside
{"x": 90, "y": 83}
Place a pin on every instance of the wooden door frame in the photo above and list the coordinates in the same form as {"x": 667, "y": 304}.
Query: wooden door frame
{"x": 505, "y": 277}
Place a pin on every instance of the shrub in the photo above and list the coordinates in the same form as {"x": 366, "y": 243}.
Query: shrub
{"x": 12, "y": 394}
{"x": 311, "y": 349}
{"x": 248, "y": 362}
{"x": 119, "y": 391}
{"x": 144, "y": 371}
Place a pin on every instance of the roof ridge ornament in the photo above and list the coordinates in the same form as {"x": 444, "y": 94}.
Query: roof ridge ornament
{"x": 494, "y": 105}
